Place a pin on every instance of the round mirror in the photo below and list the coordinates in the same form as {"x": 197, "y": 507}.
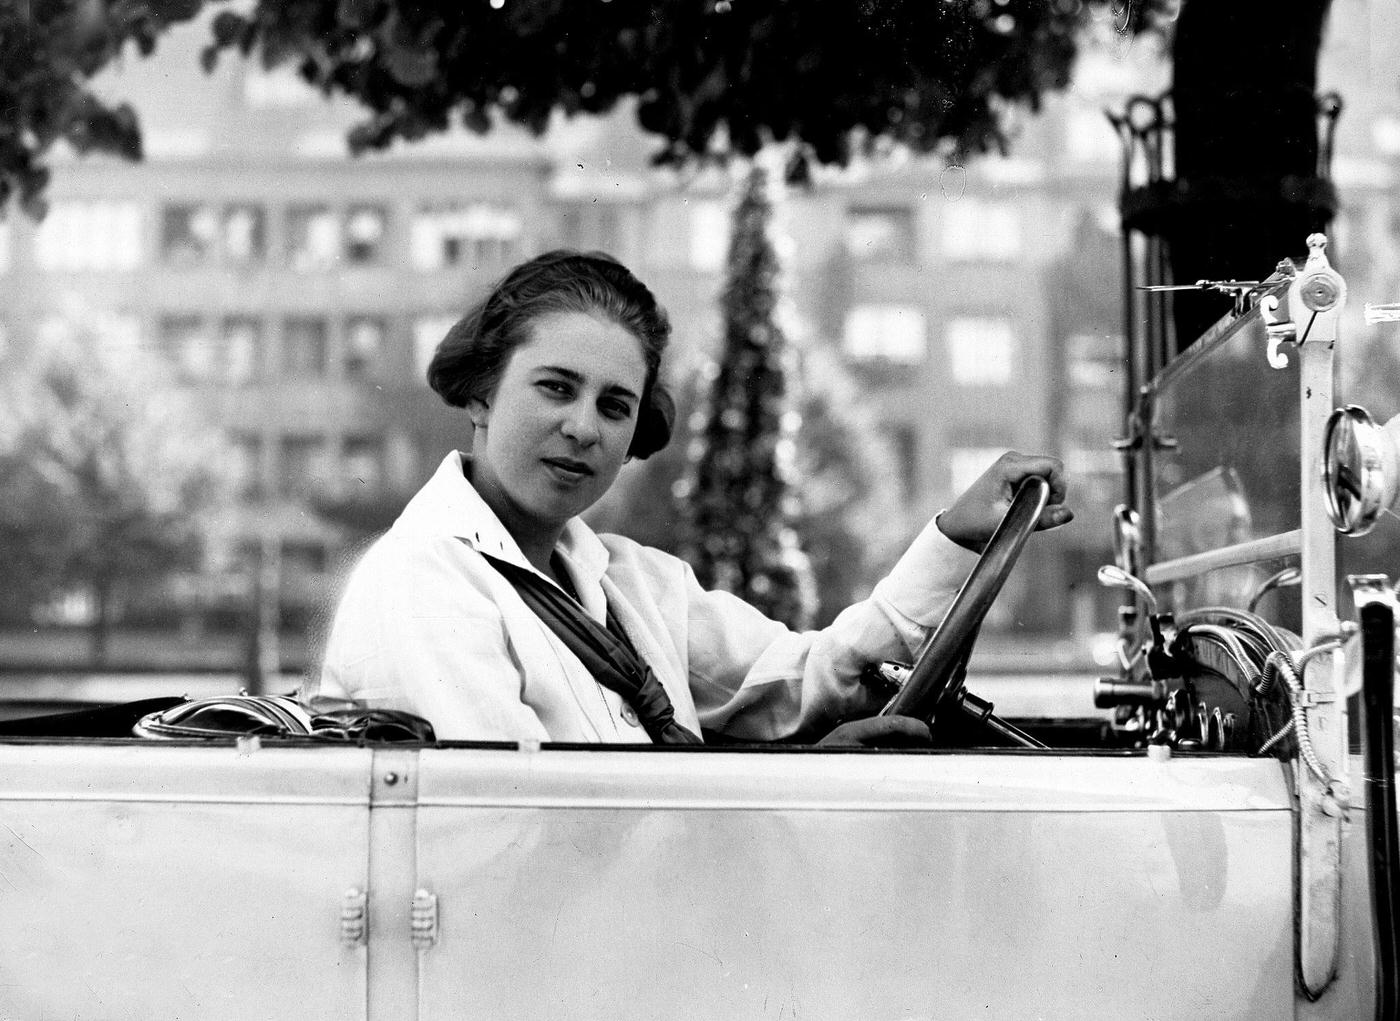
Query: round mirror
{"x": 1358, "y": 469}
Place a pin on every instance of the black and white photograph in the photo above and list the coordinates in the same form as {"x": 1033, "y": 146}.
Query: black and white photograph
{"x": 752, "y": 510}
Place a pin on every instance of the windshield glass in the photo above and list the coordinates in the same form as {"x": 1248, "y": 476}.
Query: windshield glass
{"x": 1226, "y": 466}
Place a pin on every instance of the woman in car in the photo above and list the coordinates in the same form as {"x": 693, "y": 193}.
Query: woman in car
{"x": 455, "y": 614}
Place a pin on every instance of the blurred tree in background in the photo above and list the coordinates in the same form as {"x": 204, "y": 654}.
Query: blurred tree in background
{"x": 740, "y": 501}
{"x": 104, "y": 480}
{"x": 852, "y": 519}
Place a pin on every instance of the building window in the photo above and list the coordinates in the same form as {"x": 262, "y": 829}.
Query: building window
{"x": 966, "y": 465}
{"x": 597, "y": 225}
{"x": 98, "y": 235}
{"x": 465, "y": 235}
{"x": 903, "y": 439}
{"x": 243, "y": 235}
{"x": 300, "y": 557}
{"x": 301, "y": 467}
{"x": 364, "y": 346}
{"x": 244, "y": 464}
{"x": 193, "y": 234}
{"x": 362, "y": 463}
{"x": 365, "y": 227}
{"x": 1097, "y": 474}
{"x": 304, "y": 346}
{"x": 428, "y": 332}
{"x": 186, "y": 345}
{"x": 895, "y": 333}
{"x": 313, "y": 238}
{"x": 881, "y": 234}
{"x": 1092, "y": 410}
{"x": 188, "y": 234}
{"x": 709, "y": 235}
{"x": 976, "y": 230}
{"x": 118, "y": 335}
{"x": 981, "y": 351}
{"x": 318, "y": 236}
{"x": 240, "y": 348}
{"x": 1095, "y": 361}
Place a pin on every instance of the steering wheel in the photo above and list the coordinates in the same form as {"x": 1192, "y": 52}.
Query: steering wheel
{"x": 936, "y": 679}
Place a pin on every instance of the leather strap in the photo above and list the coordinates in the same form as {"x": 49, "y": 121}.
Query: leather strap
{"x": 607, "y": 653}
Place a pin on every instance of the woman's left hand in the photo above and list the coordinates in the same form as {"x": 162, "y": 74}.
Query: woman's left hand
{"x": 880, "y": 732}
{"x": 971, "y": 521}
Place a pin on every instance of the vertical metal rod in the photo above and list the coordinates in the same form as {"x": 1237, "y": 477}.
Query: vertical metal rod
{"x": 1378, "y": 679}
{"x": 1320, "y": 825}
{"x": 1132, "y": 368}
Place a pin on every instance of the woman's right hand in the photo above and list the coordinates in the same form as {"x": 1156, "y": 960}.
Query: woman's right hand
{"x": 971, "y": 521}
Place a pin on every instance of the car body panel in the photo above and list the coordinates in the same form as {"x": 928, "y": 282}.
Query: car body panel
{"x": 148, "y": 881}
{"x": 747, "y": 886}
{"x": 209, "y": 881}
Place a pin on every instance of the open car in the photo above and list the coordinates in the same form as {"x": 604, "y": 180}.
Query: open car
{"x": 1225, "y": 846}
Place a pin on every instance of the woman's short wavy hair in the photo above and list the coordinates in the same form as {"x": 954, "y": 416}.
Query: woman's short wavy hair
{"x": 471, "y": 358}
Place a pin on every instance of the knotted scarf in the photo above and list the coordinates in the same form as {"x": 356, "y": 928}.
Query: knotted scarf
{"x": 606, "y": 653}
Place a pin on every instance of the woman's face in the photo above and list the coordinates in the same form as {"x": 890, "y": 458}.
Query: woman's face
{"x": 550, "y": 440}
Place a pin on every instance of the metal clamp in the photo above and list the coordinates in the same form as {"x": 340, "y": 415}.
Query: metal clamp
{"x": 1314, "y": 698}
{"x": 424, "y": 919}
{"x": 1278, "y": 328}
{"x": 354, "y": 918}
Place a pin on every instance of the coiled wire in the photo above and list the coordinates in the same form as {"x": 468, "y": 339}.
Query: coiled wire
{"x": 1265, "y": 654}
{"x": 1281, "y": 665}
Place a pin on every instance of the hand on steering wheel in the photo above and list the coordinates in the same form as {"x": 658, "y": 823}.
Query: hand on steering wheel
{"x": 936, "y": 678}
{"x": 978, "y": 512}
{"x": 880, "y": 732}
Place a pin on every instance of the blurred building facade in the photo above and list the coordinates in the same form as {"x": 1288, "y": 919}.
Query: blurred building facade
{"x": 298, "y": 293}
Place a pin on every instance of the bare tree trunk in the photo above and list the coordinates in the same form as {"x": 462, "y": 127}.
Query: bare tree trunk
{"x": 1248, "y": 190}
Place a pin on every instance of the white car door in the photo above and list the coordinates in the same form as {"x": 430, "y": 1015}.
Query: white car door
{"x": 714, "y": 884}
{"x": 148, "y": 881}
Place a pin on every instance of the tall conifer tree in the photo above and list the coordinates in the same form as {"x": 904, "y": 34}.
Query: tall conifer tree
{"x": 740, "y": 500}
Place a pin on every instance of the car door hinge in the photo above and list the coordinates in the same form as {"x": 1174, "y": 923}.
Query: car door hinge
{"x": 425, "y": 919}
{"x": 354, "y": 918}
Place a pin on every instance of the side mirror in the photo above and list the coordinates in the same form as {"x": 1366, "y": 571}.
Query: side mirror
{"x": 1360, "y": 469}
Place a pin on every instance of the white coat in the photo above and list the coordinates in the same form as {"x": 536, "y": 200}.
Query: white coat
{"x": 425, "y": 624}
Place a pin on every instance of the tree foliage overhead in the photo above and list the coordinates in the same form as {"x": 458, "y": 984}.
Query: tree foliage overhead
{"x": 49, "y": 51}
{"x": 709, "y": 77}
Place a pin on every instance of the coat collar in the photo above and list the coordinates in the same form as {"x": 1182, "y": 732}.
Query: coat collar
{"x": 450, "y": 505}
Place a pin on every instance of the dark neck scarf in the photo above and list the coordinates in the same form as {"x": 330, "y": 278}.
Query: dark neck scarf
{"x": 607, "y": 653}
